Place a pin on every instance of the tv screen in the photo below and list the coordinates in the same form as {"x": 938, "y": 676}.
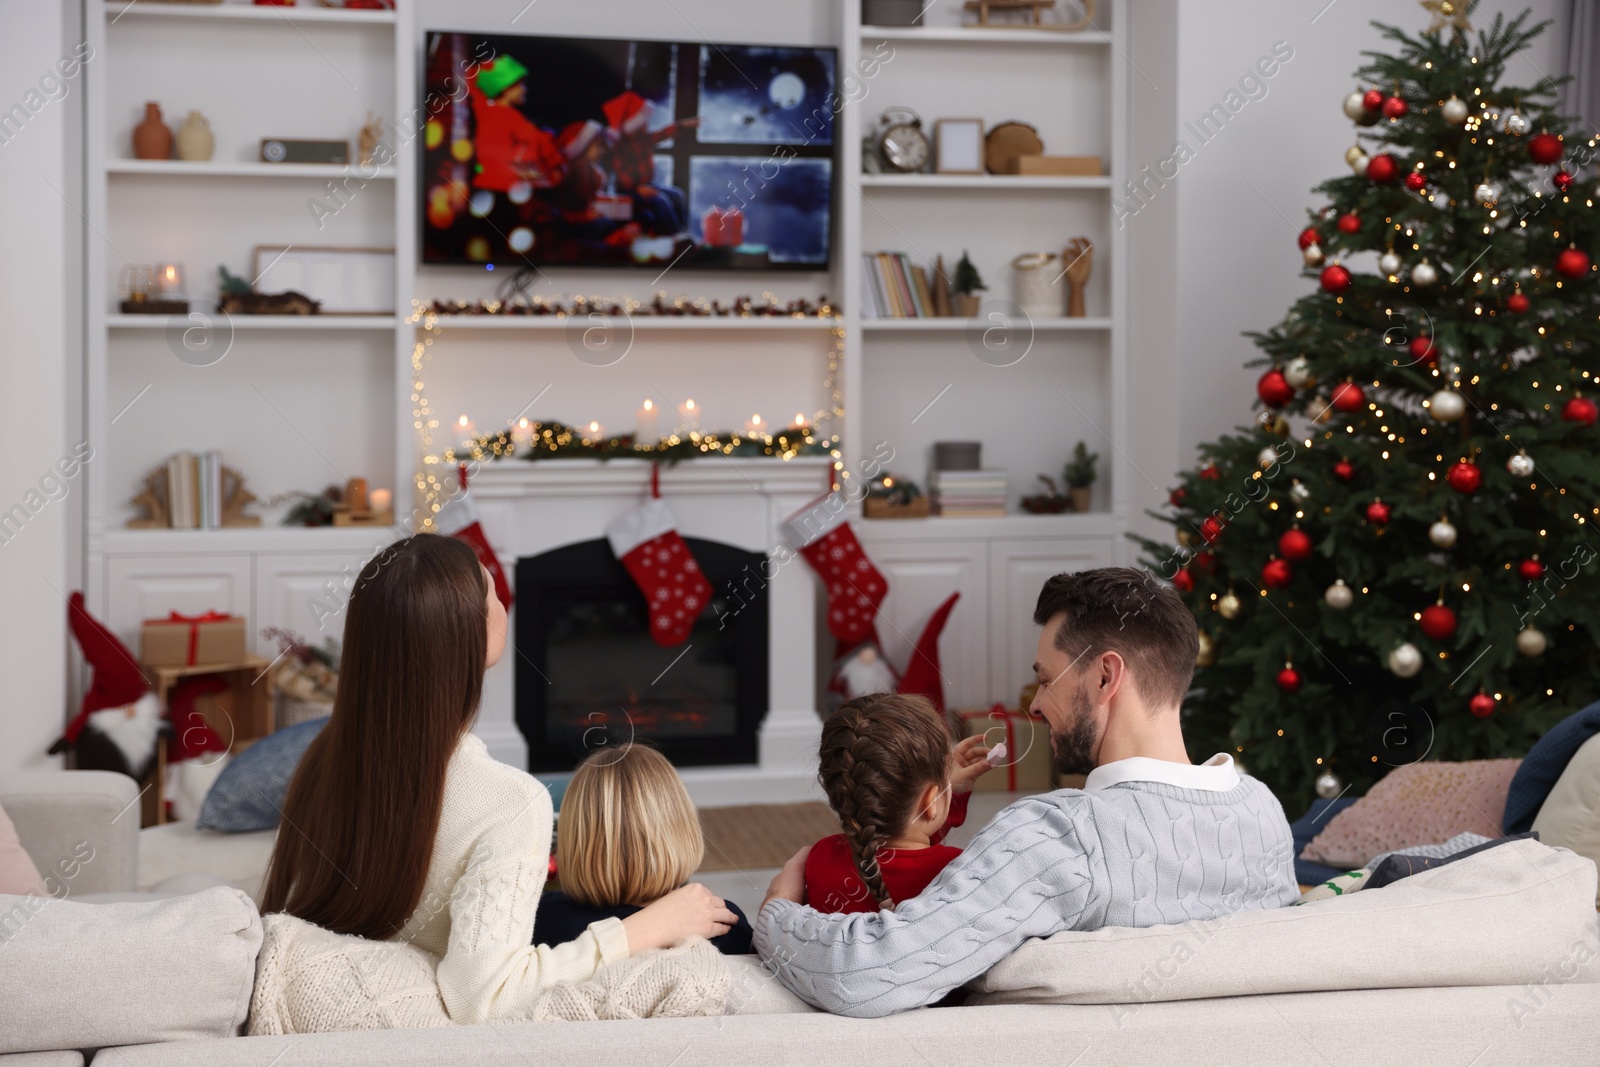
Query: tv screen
{"x": 601, "y": 152}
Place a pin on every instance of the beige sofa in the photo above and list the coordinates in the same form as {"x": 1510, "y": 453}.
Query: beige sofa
{"x": 1554, "y": 1020}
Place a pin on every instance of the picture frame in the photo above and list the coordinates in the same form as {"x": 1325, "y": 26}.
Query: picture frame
{"x": 347, "y": 281}
{"x": 958, "y": 146}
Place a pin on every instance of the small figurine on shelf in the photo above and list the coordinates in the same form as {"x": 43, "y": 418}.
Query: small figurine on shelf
{"x": 964, "y": 288}
{"x": 313, "y": 509}
{"x": 1050, "y": 502}
{"x": 237, "y": 297}
{"x": 890, "y": 496}
{"x": 370, "y": 134}
{"x": 1079, "y": 258}
{"x": 1080, "y": 476}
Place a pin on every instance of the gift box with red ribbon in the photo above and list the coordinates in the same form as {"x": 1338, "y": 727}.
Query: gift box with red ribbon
{"x": 186, "y": 640}
{"x": 1027, "y": 767}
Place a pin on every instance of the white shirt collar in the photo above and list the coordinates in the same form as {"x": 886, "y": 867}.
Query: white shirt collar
{"x": 1217, "y": 774}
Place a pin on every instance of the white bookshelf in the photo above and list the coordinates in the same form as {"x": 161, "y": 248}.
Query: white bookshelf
{"x": 245, "y": 169}
{"x": 669, "y": 323}
{"x": 232, "y": 11}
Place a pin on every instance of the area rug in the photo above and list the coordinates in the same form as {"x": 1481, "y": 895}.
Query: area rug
{"x": 762, "y": 835}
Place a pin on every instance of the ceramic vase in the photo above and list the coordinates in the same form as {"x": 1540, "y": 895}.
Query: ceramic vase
{"x": 194, "y": 138}
{"x": 151, "y": 138}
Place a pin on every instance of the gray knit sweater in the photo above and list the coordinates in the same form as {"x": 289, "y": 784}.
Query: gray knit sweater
{"x": 1139, "y": 853}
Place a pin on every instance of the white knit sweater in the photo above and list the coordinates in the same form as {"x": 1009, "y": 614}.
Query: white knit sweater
{"x": 490, "y": 860}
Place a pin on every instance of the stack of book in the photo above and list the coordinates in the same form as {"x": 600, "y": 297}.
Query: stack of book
{"x": 194, "y": 491}
{"x": 894, "y": 288}
{"x": 973, "y": 494}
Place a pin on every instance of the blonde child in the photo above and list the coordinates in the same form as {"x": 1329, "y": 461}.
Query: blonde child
{"x": 628, "y": 836}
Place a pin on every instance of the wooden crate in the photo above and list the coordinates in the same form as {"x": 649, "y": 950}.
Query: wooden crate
{"x": 879, "y": 508}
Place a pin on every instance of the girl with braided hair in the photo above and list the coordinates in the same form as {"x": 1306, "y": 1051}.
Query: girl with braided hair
{"x": 898, "y": 786}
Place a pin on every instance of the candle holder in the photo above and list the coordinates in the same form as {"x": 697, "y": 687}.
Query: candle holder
{"x": 148, "y": 290}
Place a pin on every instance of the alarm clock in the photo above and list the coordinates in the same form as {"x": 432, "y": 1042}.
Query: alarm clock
{"x": 902, "y": 145}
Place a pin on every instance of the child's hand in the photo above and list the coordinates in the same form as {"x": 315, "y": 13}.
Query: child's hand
{"x": 692, "y": 911}
{"x": 970, "y": 763}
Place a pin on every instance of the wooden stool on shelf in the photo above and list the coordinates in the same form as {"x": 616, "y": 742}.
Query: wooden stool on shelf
{"x": 240, "y": 715}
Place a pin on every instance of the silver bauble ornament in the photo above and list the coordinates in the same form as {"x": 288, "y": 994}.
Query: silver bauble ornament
{"x": 1442, "y": 534}
{"x": 1312, "y": 256}
{"x": 1486, "y": 194}
{"x": 1207, "y": 653}
{"x": 1339, "y": 596}
{"x": 1228, "y": 607}
{"x": 1454, "y": 111}
{"x": 1328, "y": 785}
{"x": 1267, "y": 457}
{"x": 1405, "y": 660}
{"x": 1297, "y": 372}
{"x": 1299, "y": 493}
{"x": 1354, "y": 108}
{"x": 1390, "y": 264}
{"x": 1521, "y": 465}
{"x": 1358, "y": 161}
{"x": 1447, "y": 405}
{"x": 1531, "y": 642}
{"x": 1516, "y": 123}
{"x": 1424, "y": 274}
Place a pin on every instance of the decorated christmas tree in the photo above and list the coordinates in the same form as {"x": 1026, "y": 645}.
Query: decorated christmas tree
{"x": 1397, "y": 559}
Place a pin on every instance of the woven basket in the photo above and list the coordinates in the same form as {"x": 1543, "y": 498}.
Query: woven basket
{"x": 291, "y": 711}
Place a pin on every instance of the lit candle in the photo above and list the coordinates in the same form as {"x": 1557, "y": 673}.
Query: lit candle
{"x": 647, "y": 427}
{"x": 754, "y": 428}
{"x": 596, "y": 433}
{"x": 800, "y": 419}
{"x": 522, "y": 433}
{"x": 380, "y": 499}
{"x": 466, "y": 430}
{"x": 691, "y": 415}
{"x": 169, "y": 281}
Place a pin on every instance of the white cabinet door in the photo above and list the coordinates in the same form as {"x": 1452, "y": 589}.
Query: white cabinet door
{"x": 921, "y": 574}
{"x": 307, "y": 594}
{"x": 1018, "y": 570}
{"x": 149, "y": 587}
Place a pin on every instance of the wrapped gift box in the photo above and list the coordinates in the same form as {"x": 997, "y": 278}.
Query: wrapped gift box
{"x": 1028, "y": 764}
{"x": 185, "y": 640}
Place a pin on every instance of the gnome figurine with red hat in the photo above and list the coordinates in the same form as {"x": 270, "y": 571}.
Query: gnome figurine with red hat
{"x": 862, "y": 668}
{"x": 119, "y": 726}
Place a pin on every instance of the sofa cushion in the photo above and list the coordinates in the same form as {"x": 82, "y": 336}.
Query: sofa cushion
{"x": 1570, "y": 816}
{"x": 1544, "y": 764}
{"x": 1418, "y": 804}
{"x": 249, "y": 793}
{"x": 18, "y": 875}
{"x": 76, "y": 976}
{"x": 1519, "y": 913}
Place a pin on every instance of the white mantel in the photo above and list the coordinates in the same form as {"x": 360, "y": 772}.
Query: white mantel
{"x": 530, "y": 508}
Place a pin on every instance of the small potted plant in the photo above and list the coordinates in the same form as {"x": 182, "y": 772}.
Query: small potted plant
{"x": 890, "y": 496}
{"x": 1050, "y": 502}
{"x": 1080, "y": 475}
{"x": 965, "y": 287}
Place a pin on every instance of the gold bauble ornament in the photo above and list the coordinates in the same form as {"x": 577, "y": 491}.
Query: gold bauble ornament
{"x": 1531, "y": 642}
{"x": 1186, "y": 538}
{"x": 1228, "y": 607}
{"x": 1208, "y": 651}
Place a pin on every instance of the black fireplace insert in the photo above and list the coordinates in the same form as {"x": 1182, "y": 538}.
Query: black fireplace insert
{"x": 588, "y": 674}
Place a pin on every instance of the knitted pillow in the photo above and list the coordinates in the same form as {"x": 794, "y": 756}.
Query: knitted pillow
{"x": 1418, "y": 804}
{"x": 249, "y": 793}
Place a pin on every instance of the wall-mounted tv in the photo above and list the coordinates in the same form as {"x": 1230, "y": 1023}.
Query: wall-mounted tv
{"x": 601, "y": 152}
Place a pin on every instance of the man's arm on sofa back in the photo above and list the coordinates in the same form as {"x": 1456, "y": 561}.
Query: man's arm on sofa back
{"x": 80, "y": 827}
{"x": 1024, "y": 875}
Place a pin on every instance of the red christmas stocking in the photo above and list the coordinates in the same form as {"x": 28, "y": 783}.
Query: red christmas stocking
{"x": 855, "y": 587}
{"x": 459, "y": 518}
{"x": 646, "y": 541}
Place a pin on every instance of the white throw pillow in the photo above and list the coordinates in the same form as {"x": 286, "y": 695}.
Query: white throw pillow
{"x": 1570, "y": 815}
{"x": 1518, "y": 913}
{"x": 76, "y": 976}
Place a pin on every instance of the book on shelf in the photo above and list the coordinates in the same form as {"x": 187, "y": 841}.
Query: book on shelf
{"x": 892, "y": 287}
{"x": 970, "y": 494}
{"x": 194, "y": 490}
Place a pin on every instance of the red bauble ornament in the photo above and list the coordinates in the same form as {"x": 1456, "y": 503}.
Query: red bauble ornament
{"x": 1210, "y": 529}
{"x": 1561, "y": 180}
{"x": 1516, "y": 303}
{"x": 1531, "y": 570}
{"x": 1464, "y": 477}
{"x": 1183, "y": 581}
{"x": 1580, "y": 409}
{"x": 1274, "y": 389}
{"x": 1347, "y": 396}
{"x": 1544, "y": 148}
{"x": 1309, "y": 236}
{"x": 1344, "y": 470}
{"x": 1416, "y": 181}
{"x": 1438, "y": 622}
{"x": 1573, "y": 263}
{"x": 1393, "y": 108}
{"x": 1348, "y": 223}
{"x": 1377, "y": 513}
{"x": 1294, "y": 545}
{"x": 1176, "y": 496}
{"x": 1204, "y": 562}
{"x": 1276, "y": 573}
{"x": 1422, "y": 348}
{"x": 1335, "y": 279}
{"x": 1482, "y": 705}
{"x": 1372, "y": 99}
{"x": 1382, "y": 168}
{"x": 1289, "y": 679}
{"x": 1210, "y": 473}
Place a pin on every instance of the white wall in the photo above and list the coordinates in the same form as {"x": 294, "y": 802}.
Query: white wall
{"x": 1242, "y": 198}
{"x": 38, "y": 552}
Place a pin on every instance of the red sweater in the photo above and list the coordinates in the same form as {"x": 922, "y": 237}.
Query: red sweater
{"x": 833, "y": 884}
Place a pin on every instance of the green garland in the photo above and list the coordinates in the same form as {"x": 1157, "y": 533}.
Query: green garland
{"x": 556, "y": 440}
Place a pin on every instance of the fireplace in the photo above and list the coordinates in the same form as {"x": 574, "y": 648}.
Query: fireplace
{"x": 588, "y": 674}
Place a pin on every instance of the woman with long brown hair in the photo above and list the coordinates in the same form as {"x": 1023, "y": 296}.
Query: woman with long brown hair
{"x": 399, "y": 825}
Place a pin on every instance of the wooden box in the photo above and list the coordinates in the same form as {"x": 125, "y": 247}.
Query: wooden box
{"x": 1059, "y": 166}
{"x": 880, "y": 508}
